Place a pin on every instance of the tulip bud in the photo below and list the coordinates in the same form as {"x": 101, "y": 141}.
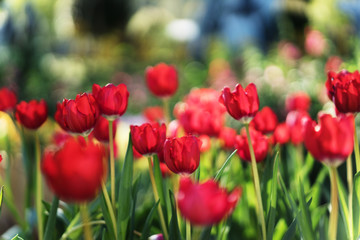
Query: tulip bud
{"x": 32, "y": 114}
{"x": 162, "y": 80}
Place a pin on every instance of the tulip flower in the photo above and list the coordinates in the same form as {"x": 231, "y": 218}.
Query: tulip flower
{"x": 281, "y": 134}
{"x": 162, "y": 80}
{"x": 227, "y": 138}
{"x": 8, "y": 99}
{"x": 299, "y": 101}
{"x": 295, "y": 121}
{"x": 205, "y": 143}
{"x": 154, "y": 114}
{"x": 182, "y": 155}
{"x": 343, "y": 89}
{"x": 31, "y": 114}
{"x": 79, "y": 115}
{"x": 331, "y": 141}
{"x": 75, "y": 171}
{"x": 265, "y": 120}
{"x": 260, "y": 144}
{"x": 315, "y": 43}
{"x": 148, "y": 138}
{"x": 241, "y": 104}
{"x": 101, "y": 129}
{"x": 206, "y": 203}
{"x": 112, "y": 100}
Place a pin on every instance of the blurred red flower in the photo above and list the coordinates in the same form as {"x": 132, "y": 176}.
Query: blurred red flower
{"x": 8, "y": 99}
{"x": 295, "y": 121}
{"x": 162, "y": 80}
{"x": 265, "y": 120}
{"x": 31, "y": 114}
{"x": 333, "y": 64}
{"x": 79, "y": 115}
{"x": 205, "y": 143}
{"x": 206, "y": 203}
{"x": 227, "y": 138}
{"x": 154, "y": 114}
{"x": 101, "y": 129}
{"x": 281, "y": 134}
{"x": 332, "y": 140}
{"x": 148, "y": 138}
{"x": 76, "y": 170}
{"x": 259, "y": 142}
{"x": 112, "y": 100}
{"x": 182, "y": 155}
{"x": 299, "y": 101}
{"x": 241, "y": 104}
{"x": 315, "y": 43}
{"x": 343, "y": 89}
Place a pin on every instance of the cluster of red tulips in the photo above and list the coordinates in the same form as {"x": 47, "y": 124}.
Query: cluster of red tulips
{"x": 77, "y": 170}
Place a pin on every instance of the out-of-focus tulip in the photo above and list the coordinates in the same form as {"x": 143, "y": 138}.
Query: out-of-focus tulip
{"x": 156, "y": 237}
{"x": 265, "y": 120}
{"x": 182, "y": 155}
{"x": 333, "y": 64}
{"x": 148, "y": 138}
{"x": 8, "y": 99}
{"x": 165, "y": 171}
{"x": 79, "y": 115}
{"x": 60, "y": 137}
{"x": 112, "y": 100}
{"x": 154, "y": 114}
{"x": 295, "y": 121}
{"x": 206, "y": 203}
{"x": 331, "y": 141}
{"x": 281, "y": 134}
{"x": 101, "y": 129}
{"x": 241, "y": 104}
{"x": 31, "y": 114}
{"x": 162, "y": 80}
{"x": 299, "y": 101}
{"x": 315, "y": 43}
{"x": 205, "y": 143}
{"x": 344, "y": 90}
{"x": 75, "y": 171}
{"x": 136, "y": 154}
{"x": 227, "y": 138}
{"x": 259, "y": 142}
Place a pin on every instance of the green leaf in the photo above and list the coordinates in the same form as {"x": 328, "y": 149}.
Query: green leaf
{"x": 50, "y": 225}
{"x": 16, "y": 237}
{"x": 356, "y": 204}
{"x": 160, "y": 186}
{"x": 206, "y": 233}
{"x": 226, "y": 163}
{"x": 124, "y": 199}
{"x": 107, "y": 218}
{"x": 304, "y": 215}
{"x": 290, "y": 233}
{"x": 146, "y": 230}
{"x": 135, "y": 191}
{"x": 273, "y": 197}
{"x": 343, "y": 205}
{"x": 1, "y": 196}
{"x": 174, "y": 230}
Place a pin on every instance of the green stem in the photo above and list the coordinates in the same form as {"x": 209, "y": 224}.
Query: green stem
{"x": 69, "y": 228}
{"x": 256, "y": 183}
{"x": 86, "y": 220}
{"x": 333, "y": 221}
{"x": 156, "y": 196}
{"x": 52, "y": 218}
{"x": 111, "y": 211}
{"x": 98, "y": 222}
{"x": 188, "y": 230}
{"x": 112, "y": 163}
{"x": 356, "y": 150}
{"x": 350, "y": 197}
{"x": 38, "y": 188}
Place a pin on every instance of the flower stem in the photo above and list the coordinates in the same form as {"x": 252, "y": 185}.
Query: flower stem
{"x": 112, "y": 163}
{"x": 350, "y": 202}
{"x": 166, "y": 110}
{"x": 333, "y": 221}
{"x": 86, "y": 221}
{"x": 108, "y": 204}
{"x": 356, "y": 150}
{"x": 98, "y": 222}
{"x": 188, "y": 230}
{"x": 256, "y": 183}
{"x": 38, "y": 189}
{"x": 156, "y": 196}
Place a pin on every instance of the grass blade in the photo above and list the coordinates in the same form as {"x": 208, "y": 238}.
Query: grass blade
{"x": 146, "y": 230}
{"x": 50, "y": 225}
{"x": 226, "y": 163}
{"x": 174, "y": 230}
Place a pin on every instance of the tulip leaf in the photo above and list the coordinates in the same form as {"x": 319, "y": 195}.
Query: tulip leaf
{"x": 50, "y": 225}
{"x": 16, "y": 237}
{"x": 174, "y": 230}
{"x": 273, "y": 198}
{"x": 343, "y": 200}
{"x": 1, "y": 196}
{"x": 146, "y": 230}
{"x": 356, "y": 205}
{"x": 106, "y": 215}
{"x": 124, "y": 199}
{"x": 290, "y": 233}
{"x": 135, "y": 191}
{"x": 160, "y": 185}
{"x": 206, "y": 233}
{"x": 226, "y": 163}
{"x": 304, "y": 215}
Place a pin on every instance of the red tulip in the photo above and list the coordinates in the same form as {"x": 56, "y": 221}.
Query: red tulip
{"x": 241, "y": 104}
{"x": 136, "y": 154}
{"x": 281, "y": 134}
{"x": 206, "y": 203}
{"x": 165, "y": 171}
{"x": 265, "y": 120}
{"x": 182, "y": 155}
{"x": 60, "y": 137}
{"x": 332, "y": 140}
{"x": 333, "y": 64}
{"x": 1, "y": 158}
{"x": 101, "y": 129}
{"x": 259, "y": 142}
{"x": 344, "y": 90}
{"x": 201, "y": 113}
{"x": 154, "y": 114}
{"x": 8, "y": 99}
{"x": 148, "y": 138}
{"x": 299, "y": 101}
{"x": 112, "y": 100}
{"x": 315, "y": 43}
{"x": 32, "y": 114}
{"x": 295, "y": 121}
{"x": 205, "y": 143}
{"x": 75, "y": 171}
{"x": 227, "y": 138}
{"x": 79, "y": 115}
{"x": 162, "y": 80}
